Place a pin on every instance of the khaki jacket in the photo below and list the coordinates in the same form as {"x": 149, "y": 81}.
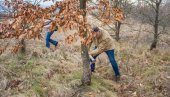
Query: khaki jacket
{"x": 104, "y": 43}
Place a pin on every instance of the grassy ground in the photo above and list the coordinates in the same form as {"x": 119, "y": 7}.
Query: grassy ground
{"x": 43, "y": 73}
{"x": 47, "y": 74}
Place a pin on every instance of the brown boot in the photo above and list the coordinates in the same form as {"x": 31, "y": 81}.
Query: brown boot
{"x": 57, "y": 46}
{"x": 117, "y": 78}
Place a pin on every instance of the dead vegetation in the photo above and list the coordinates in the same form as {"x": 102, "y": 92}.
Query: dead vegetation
{"x": 43, "y": 73}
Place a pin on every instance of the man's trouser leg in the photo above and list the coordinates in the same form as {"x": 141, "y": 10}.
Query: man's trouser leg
{"x": 53, "y": 42}
{"x": 47, "y": 39}
{"x": 93, "y": 64}
{"x": 110, "y": 54}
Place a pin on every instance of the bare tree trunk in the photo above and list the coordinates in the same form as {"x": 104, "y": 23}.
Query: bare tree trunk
{"x": 23, "y": 48}
{"x": 86, "y": 77}
{"x": 154, "y": 43}
{"x": 155, "y": 40}
{"x": 117, "y": 26}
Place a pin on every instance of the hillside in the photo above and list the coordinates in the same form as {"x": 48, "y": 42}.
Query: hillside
{"x": 41, "y": 72}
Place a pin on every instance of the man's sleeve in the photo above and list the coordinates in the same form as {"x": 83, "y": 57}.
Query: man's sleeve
{"x": 101, "y": 48}
{"x": 47, "y": 22}
{"x": 89, "y": 45}
{"x": 47, "y": 27}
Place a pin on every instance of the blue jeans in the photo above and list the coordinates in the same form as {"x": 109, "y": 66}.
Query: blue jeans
{"x": 110, "y": 54}
{"x": 49, "y": 40}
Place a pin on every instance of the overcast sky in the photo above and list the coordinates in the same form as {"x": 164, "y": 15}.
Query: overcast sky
{"x": 43, "y": 4}
{"x": 48, "y": 3}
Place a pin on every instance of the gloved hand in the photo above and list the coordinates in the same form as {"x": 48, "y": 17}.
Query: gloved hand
{"x": 56, "y": 28}
{"x": 92, "y": 59}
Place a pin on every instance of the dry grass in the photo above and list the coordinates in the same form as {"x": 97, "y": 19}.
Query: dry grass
{"x": 58, "y": 73}
{"x": 43, "y": 73}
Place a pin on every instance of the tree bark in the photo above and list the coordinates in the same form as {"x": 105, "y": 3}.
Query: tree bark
{"x": 155, "y": 40}
{"x": 23, "y": 48}
{"x": 117, "y": 3}
{"x": 86, "y": 77}
{"x": 117, "y": 26}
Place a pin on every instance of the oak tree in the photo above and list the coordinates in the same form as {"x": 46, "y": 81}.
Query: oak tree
{"x": 28, "y": 23}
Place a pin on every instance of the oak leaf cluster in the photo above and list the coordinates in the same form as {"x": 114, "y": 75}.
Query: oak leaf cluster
{"x": 27, "y": 21}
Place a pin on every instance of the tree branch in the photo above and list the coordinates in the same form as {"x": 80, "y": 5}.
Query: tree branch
{"x": 151, "y": 4}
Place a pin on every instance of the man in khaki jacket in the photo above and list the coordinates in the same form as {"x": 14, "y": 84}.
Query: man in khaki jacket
{"x": 104, "y": 43}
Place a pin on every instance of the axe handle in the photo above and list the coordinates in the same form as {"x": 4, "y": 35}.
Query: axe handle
{"x": 91, "y": 58}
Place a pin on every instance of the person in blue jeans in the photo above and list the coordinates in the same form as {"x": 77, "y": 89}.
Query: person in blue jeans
{"x": 103, "y": 43}
{"x": 49, "y": 33}
{"x": 49, "y": 40}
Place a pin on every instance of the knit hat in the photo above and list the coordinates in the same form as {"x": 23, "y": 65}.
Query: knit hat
{"x": 95, "y": 29}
